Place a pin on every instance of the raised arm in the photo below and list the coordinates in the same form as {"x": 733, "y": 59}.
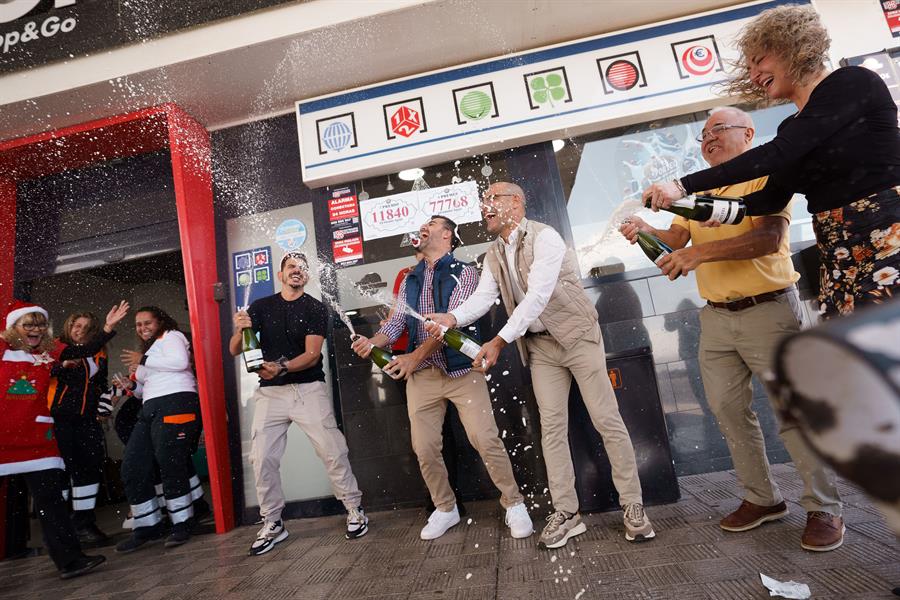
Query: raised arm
{"x": 840, "y": 99}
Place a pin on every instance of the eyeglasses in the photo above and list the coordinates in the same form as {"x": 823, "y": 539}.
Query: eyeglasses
{"x": 34, "y": 326}
{"x": 715, "y": 130}
{"x": 490, "y": 198}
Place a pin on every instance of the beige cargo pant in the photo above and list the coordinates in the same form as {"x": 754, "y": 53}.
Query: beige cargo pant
{"x": 308, "y": 405}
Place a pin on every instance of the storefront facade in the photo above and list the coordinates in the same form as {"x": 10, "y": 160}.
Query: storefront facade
{"x": 581, "y": 125}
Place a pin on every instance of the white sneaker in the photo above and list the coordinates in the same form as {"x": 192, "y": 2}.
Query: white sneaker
{"x": 438, "y": 523}
{"x": 270, "y": 534}
{"x": 357, "y": 523}
{"x": 518, "y": 521}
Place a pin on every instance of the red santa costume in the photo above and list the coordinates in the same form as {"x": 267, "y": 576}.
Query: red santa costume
{"x": 27, "y": 446}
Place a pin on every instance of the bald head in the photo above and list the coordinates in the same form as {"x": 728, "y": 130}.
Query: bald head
{"x": 728, "y": 133}
{"x": 503, "y": 208}
{"x": 733, "y": 115}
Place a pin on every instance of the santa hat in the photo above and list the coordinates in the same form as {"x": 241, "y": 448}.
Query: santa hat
{"x": 18, "y": 309}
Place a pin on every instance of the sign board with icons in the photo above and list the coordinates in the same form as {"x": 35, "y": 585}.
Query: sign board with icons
{"x": 253, "y": 273}
{"x": 401, "y": 213}
{"x": 556, "y": 91}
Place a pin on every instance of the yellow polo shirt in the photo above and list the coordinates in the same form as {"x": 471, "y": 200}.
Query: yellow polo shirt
{"x": 727, "y": 280}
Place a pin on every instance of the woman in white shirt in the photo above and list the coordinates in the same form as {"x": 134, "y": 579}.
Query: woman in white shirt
{"x": 167, "y": 430}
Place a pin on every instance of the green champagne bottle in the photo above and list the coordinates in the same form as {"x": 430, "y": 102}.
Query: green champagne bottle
{"x": 704, "y": 207}
{"x": 461, "y": 342}
{"x": 252, "y": 353}
{"x": 380, "y": 357}
{"x": 652, "y": 246}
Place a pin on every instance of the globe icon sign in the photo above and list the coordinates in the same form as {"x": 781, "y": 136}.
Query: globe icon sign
{"x": 337, "y": 136}
{"x": 475, "y": 105}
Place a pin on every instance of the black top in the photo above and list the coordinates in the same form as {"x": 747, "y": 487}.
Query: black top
{"x": 844, "y": 145}
{"x": 283, "y": 326}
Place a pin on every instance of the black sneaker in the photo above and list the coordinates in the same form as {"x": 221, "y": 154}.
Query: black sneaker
{"x": 357, "y": 523}
{"x": 140, "y": 538}
{"x": 81, "y": 565}
{"x": 91, "y": 535}
{"x": 181, "y": 533}
{"x": 267, "y": 537}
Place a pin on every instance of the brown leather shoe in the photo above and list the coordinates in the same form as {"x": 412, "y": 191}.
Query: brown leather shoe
{"x": 823, "y": 532}
{"x": 749, "y": 516}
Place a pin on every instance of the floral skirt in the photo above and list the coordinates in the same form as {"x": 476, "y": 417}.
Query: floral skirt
{"x": 859, "y": 248}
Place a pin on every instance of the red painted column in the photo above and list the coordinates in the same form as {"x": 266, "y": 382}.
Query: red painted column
{"x": 7, "y": 239}
{"x": 191, "y": 169}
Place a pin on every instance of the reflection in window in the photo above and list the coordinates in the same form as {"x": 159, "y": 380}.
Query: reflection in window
{"x": 602, "y": 171}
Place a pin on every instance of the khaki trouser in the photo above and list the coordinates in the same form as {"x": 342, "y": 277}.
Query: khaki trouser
{"x": 734, "y": 345}
{"x": 552, "y": 369}
{"x": 427, "y": 393}
{"x": 309, "y": 406}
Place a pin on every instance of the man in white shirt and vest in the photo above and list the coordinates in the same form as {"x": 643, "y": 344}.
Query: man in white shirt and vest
{"x": 555, "y": 328}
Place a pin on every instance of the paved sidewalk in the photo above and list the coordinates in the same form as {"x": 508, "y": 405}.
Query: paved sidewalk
{"x": 691, "y": 558}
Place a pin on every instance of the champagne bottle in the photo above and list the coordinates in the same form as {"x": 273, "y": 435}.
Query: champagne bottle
{"x": 703, "y": 207}
{"x": 380, "y": 357}
{"x": 459, "y": 341}
{"x": 652, "y": 246}
{"x": 252, "y": 353}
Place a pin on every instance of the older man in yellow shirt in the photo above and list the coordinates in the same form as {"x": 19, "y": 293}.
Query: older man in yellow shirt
{"x": 745, "y": 273}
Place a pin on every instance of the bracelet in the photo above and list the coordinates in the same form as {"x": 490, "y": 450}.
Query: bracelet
{"x": 680, "y": 187}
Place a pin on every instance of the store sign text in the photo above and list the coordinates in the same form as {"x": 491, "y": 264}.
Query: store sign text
{"x": 402, "y": 213}
{"x": 32, "y": 31}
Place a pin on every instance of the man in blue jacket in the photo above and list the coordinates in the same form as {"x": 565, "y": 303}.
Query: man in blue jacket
{"x": 437, "y": 374}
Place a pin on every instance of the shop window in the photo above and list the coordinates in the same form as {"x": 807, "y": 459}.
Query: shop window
{"x": 602, "y": 171}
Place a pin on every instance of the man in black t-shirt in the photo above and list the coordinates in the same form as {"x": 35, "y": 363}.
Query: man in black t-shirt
{"x": 291, "y": 327}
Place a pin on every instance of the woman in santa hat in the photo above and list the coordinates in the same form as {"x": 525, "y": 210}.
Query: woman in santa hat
{"x": 28, "y": 357}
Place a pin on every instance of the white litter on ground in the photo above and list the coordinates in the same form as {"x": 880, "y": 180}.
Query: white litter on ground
{"x": 785, "y": 589}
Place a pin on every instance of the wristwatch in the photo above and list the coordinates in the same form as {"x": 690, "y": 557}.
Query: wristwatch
{"x": 283, "y": 366}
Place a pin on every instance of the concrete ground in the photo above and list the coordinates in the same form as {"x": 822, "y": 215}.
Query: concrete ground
{"x": 691, "y": 558}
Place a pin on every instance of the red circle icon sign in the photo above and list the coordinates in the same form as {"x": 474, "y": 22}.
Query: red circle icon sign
{"x": 622, "y": 75}
{"x": 698, "y": 60}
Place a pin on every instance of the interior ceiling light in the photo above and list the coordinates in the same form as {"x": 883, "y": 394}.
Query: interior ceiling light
{"x": 410, "y": 174}
{"x": 558, "y": 145}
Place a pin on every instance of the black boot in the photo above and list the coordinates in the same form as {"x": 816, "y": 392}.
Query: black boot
{"x": 202, "y": 510}
{"x": 90, "y": 536}
{"x": 181, "y": 533}
{"x": 140, "y": 538}
{"x": 81, "y": 565}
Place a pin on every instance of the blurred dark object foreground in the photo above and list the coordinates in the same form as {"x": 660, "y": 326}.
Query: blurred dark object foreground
{"x": 841, "y": 382}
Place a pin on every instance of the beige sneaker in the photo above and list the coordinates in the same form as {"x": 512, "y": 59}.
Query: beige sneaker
{"x": 560, "y": 527}
{"x": 637, "y": 525}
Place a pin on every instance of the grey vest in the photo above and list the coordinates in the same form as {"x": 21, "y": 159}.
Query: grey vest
{"x": 569, "y": 315}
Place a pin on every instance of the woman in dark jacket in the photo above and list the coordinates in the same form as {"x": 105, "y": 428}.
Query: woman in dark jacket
{"x": 74, "y": 400}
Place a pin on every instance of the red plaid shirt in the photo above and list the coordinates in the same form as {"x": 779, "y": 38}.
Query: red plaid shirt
{"x": 394, "y": 327}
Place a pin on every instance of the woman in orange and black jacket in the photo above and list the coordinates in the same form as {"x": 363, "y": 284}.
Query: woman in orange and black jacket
{"x": 74, "y": 397}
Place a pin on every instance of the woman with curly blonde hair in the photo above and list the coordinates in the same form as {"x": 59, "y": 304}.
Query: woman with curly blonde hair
{"x": 841, "y": 149}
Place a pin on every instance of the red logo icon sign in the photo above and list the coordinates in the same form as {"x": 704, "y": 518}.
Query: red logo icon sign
{"x": 622, "y": 75}
{"x": 698, "y": 60}
{"x": 697, "y": 57}
{"x": 405, "y": 121}
{"x": 621, "y": 72}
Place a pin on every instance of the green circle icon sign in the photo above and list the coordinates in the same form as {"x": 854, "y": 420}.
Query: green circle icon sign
{"x": 475, "y": 105}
